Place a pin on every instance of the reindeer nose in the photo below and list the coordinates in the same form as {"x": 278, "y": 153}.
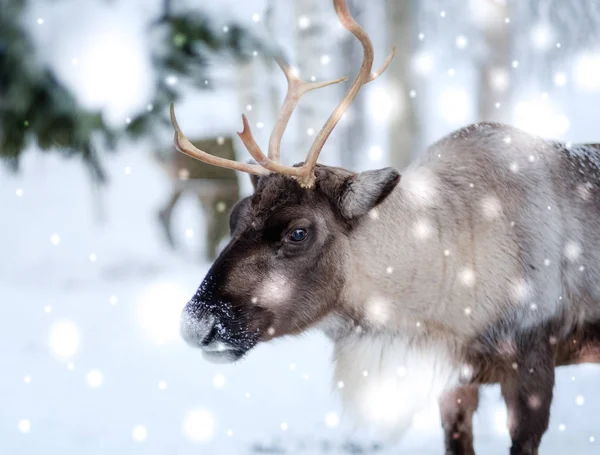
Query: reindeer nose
{"x": 196, "y": 330}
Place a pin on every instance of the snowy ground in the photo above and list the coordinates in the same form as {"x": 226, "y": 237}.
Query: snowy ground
{"x": 125, "y": 305}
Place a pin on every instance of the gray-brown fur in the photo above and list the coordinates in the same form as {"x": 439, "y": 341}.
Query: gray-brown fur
{"x": 580, "y": 346}
{"x": 482, "y": 264}
{"x": 457, "y": 408}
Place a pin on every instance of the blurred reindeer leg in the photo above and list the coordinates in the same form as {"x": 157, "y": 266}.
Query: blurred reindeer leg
{"x": 221, "y": 226}
{"x": 164, "y": 216}
{"x": 589, "y": 350}
{"x": 212, "y": 233}
{"x": 208, "y": 201}
{"x": 217, "y": 206}
{"x": 527, "y": 391}
{"x": 582, "y": 346}
{"x": 224, "y": 210}
{"x": 457, "y": 408}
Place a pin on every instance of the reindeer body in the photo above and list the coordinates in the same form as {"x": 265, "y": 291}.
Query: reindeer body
{"x": 487, "y": 250}
{"x": 482, "y": 230}
{"x": 480, "y": 264}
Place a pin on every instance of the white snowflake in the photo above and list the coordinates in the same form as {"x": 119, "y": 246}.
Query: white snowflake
{"x": 95, "y": 379}
{"x": 218, "y": 381}
{"x": 139, "y": 433}
{"x": 199, "y": 425}
{"x": 24, "y": 426}
{"x": 332, "y": 419}
{"x": 572, "y": 250}
{"x": 467, "y": 277}
{"x": 422, "y": 229}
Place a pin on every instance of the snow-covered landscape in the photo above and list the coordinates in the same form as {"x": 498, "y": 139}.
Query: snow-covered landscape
{"x": 90, "y": 298}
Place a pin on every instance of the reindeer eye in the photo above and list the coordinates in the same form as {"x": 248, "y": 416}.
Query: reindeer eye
{"x": 298, "y": 235}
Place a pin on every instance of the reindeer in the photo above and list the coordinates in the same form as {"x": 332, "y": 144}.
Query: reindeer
{"x": 481, "y": 264}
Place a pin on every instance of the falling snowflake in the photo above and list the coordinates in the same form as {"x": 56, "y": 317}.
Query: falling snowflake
{"x": 139, "y": 433}
{"x": 24, "y": 426}
{"x": 95, "y": 379}
{"x": 199, "y": 425}
{"x": 218, "y": 381}
{"x": 467, "y": 277}
{"x": 332, "y": 419}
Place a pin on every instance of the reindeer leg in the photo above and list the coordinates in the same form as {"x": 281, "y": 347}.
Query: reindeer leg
{"x": 580, "y": 347}
{"x": 164, "y": 216}
{"x": 527, "y": 390}
{"x": 457, "y": 408}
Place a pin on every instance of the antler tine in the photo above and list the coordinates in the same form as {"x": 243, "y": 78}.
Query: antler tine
{"x": 296, "y": 88}
{"x": 386, "y": 63}
{"x": 185, "y": 146}
{"x": 364, "y": 76}
{"x": 259, "y": 156}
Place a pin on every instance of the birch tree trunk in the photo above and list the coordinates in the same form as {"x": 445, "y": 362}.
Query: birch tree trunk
{"x": 315, "y": 29}
{"x": 352, "y": 142}
{"x": 273, "y": 70}
{"x": 495, "y": 67}
{"x": 245, "y": 81}
{"x": 404, "y": 126}
{"x": 247, "y": 97}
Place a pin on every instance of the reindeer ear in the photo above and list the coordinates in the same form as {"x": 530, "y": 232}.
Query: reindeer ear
{"x": 366, "y": 190}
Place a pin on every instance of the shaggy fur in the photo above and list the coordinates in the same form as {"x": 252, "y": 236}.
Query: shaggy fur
{"x": 480, "y": 264}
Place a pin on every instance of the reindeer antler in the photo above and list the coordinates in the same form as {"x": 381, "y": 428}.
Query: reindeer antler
{"x": 296, "y": 88}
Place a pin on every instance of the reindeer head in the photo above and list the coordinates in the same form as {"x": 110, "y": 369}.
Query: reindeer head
{"x": 288, "y": 259}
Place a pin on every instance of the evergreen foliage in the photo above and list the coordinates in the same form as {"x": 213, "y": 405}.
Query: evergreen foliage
{"x": 35, "y": 107}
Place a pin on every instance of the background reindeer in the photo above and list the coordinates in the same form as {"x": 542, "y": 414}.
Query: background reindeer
{"x": 216, "y": 188}
{"x": 479, "y": 265}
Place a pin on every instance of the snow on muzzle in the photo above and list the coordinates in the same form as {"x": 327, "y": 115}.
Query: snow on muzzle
{"x": 222, "y": 336}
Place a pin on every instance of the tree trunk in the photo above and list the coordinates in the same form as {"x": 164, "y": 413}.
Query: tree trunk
{"x": 495, "y": 68}
{"x": 404, "y": 124}
{"x": 352, "y": 143}
{"x": 315, "y": 56}
{"x": 247, "y": 96}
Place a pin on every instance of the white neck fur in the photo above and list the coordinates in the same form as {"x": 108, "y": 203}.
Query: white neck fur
{"x": 385, "y": 380}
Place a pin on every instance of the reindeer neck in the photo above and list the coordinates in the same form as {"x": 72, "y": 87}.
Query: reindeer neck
{"x": 414, "y": 268}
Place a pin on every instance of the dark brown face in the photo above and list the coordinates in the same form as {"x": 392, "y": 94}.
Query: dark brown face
{"x": 286, "y": 263}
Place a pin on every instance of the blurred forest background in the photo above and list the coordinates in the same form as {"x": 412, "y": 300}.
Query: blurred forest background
{"x": 106, "y": 230}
